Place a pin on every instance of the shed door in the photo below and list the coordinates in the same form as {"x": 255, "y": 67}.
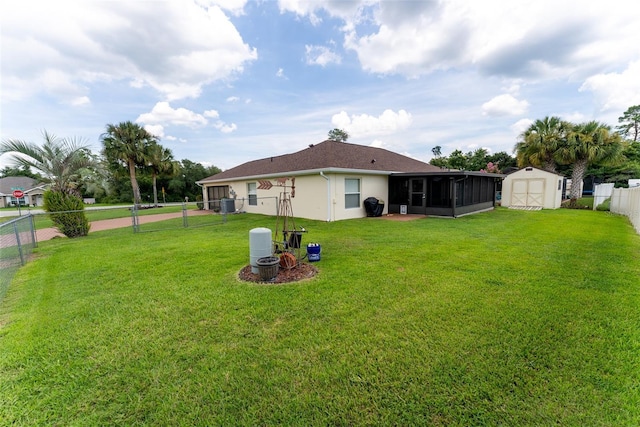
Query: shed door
{"x": 528, "y": 192}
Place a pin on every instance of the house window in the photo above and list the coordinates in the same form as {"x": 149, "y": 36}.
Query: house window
{"x": 351, "y": 193}
{"x": 253, "y": 194}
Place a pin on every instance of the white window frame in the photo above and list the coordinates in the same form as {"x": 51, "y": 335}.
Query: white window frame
{"x": 349, "y": 194}
{"x": 252, "y": 192}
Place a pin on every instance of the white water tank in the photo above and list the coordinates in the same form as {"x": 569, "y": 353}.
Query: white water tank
{"x": 260, "y": 246}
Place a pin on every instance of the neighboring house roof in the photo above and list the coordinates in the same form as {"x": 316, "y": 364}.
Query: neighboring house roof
{"x": 10, "y": 183}
{"x": 327, "y": 155}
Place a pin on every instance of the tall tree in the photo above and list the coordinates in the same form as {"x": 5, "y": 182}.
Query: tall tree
{"x": 60, "y": 160}
{"x": 19, "y": 171}
{"x": 540, "y": 141}
{"x": 502, "y": 160}
{"x": 477, "y": 159}
{"x": 160, "y": 162}
{"x": 338, "y": 135}
{"x": 630, "y": 124}
{"x": 128, "y": 143}
{"x": 457, "y": 160}
{"x": 589, "y": 143}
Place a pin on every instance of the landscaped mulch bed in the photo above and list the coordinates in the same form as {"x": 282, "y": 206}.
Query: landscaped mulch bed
{"x": 285, "y": 275}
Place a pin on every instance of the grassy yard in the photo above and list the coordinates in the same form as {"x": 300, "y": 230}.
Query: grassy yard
{"x": 501, "y": 318}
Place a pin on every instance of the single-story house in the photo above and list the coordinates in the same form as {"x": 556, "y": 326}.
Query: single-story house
{"x": 532, "y": 188}
{"x": 332, "y": 180}
{"x": 32, "y": 189}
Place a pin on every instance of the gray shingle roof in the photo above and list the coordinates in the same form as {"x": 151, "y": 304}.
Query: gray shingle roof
{"x": 327, "y": 155}
{"x": 7, "y": 184}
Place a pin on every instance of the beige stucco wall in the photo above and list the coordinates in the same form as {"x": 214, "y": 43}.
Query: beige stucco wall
{"x": 544, "y": 189}
{"x": 370, "y": 186}
{"x": 316, "y": 197}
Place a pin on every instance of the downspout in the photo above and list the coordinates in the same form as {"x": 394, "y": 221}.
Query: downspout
{"x": 205, "y": 196}
{"x": 328, "y": 195}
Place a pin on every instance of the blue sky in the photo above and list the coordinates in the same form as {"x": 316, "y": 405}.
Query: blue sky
{"x": 225, "y": 82}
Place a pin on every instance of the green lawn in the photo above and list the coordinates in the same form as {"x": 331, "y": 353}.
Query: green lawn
{"x": 502, "y": 318}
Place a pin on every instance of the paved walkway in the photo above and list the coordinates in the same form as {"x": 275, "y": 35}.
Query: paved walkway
{"x": 110, "y": 224}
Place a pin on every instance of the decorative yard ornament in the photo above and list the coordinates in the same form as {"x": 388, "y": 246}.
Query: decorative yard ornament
{"x": 287, "y": 237}
{"x": 264, "y": 185}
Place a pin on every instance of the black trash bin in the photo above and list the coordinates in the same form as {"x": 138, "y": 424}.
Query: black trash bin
{"x": 373, "y": 206}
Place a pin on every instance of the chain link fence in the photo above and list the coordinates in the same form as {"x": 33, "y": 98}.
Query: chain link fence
{"x": 18, "y": 237}
{"x": 194, "y": 214}
{"x": 17, "y": 241}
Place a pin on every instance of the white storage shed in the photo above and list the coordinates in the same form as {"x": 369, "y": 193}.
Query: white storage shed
{"x": 532, "y": 188}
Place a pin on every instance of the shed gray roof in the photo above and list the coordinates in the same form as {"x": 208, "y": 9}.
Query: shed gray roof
{"x": 327, "y": 155}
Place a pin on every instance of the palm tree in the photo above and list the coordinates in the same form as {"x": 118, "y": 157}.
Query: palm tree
{"x": 589, "y": 143}
{"x": 62, "y": 162}
{"x": 59, "y": 160}
{"x": 127, "y": 142}
{"x": 160, "y": 161}
{"x": 540, "y": 142}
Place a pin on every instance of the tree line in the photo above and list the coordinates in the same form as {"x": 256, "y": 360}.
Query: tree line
{"x": 132, "y": 167}
{"x": 574, "y": 150}
{"x": 129, "y": 154}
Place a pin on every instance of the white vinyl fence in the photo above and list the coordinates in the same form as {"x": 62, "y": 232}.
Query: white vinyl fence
{"x": 601, "y": 193}
{"x": 626, "y": 201}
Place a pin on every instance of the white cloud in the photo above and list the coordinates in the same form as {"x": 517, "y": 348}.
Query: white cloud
{"x": 92, "y": 41}
{"x": 173, "y": 138}
{"x": 81, "y": 100}
{"x": 321, "y": 55}
{"x": 162, "y": 112}
{"x": 156, "y": 130}
{"x": 300, "y": 8}
{"x": 280, "y": 74}
{"x": 233, "y": 99}
{"x": 342, "y": 9}
{"x": 616, "y": 91}
{"x": 519, "y": 41}
{"x": 234, "y": 6}
{"x": 225, "y": 128}
{"x": 520, "y": 126}
{"x": 362, "y": 125}
{"x": 574, "y": 117}
{"x": 504, "y": 105}
{"x": 212, "y": 114}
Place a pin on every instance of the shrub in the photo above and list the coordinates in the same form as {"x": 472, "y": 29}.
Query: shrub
{"x": 67, "y": 213}
{"x": 604, "y": 206}
{"x": 582, "y": 203}
{"x": 199, "y": 202}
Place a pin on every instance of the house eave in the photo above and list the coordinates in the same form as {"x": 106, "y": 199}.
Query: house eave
{"x": 450, "y": 173}
{"x": 299, "y": 173}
